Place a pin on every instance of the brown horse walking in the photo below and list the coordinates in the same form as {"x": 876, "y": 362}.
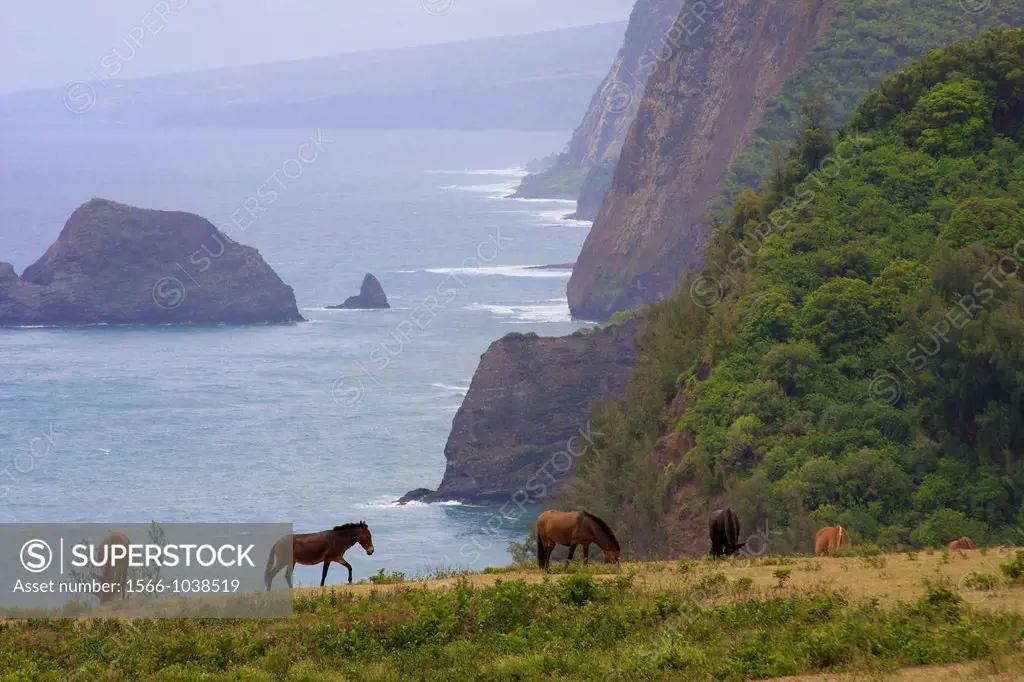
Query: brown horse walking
{"x": 962, "y": 543}
{"x": 830, "y": 538}
{"x": 310, "y": 549}
{"x": 114, "y": 572}
{"x": 572, "y": 529}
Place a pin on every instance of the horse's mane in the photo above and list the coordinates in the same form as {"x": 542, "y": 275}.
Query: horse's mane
{"x": 604, "y": 526}
{"x": 348, "y": 526}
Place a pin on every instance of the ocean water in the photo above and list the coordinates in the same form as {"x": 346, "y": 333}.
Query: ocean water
{"x": 318, "y": 423}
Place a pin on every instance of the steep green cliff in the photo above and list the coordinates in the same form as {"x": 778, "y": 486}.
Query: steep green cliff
{"x": 852, "y": 351}
{"x": 710, "y": 118}
{"x": 650, "y": 38}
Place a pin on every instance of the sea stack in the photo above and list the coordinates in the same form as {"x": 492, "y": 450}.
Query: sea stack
{"x": 7, "y": 273}
{"x": 370, "y": 297}
{"x": 117, "y": 264}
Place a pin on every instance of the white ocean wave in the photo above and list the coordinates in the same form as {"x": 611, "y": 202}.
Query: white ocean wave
{"x": 511, "y": 172}
{"x": 451, "y": 387}
{"x": 505, "y": 271}
{"x": 560, "y": 218}
{"x": 529, "y": 200}
{"x": 392, "y": 503}
{"x": 498, "y": 190}
{"x": 534, "y": 312}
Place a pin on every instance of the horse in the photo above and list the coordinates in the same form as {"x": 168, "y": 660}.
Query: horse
{"x": 830, "y": 538}
{"x": 724, "y": 527}
{"x": 962, "y": 543}
{"x": 114, "y": 572}
{"x": 310, "y": 549}
{"x": 572, "y": 529}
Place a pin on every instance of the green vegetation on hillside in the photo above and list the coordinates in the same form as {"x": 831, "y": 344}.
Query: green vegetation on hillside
{"x": 701, "y": 625}
{"x": 864, "y": 42}
{"x": 853, "y": 352}
{"x": 557, "y": 182}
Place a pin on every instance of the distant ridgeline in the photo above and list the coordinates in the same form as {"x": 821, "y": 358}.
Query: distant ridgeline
{"x": 853, "y": 351}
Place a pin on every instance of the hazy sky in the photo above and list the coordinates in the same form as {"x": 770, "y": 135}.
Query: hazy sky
{"x": 46, "y": 43}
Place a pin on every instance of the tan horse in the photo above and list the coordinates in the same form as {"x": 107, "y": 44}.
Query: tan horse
{"x": 310, "y": 549}
{"x": 573, "y": 529}
{"x": 829, "y": 539}
{"x": 962, "y": 543}
{"x": 114, "y": 572}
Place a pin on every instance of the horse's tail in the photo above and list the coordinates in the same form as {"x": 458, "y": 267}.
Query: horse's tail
{"x": 270, "y": 565}
{"x": 540, "y": 551}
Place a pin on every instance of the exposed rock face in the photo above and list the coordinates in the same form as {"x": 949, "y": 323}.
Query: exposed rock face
{"x": 416, "y": 495}
{"x": 698, "y": 111}
{"x": 7, "y": 273}
{"x": 526, "y": 409}
{"x": 370, "y": 296}
{"x": 595, "y": 187}
{"x": 603, "y": 130}
{"x": 116, "y": 264}
{"x": 600, "y": 135}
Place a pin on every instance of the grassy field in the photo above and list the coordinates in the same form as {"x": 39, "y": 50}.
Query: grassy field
{"x": 927, "y": 615}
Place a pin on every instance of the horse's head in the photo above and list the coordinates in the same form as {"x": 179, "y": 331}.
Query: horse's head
{"x": 364, "y": 538}
{"x": 611, "y": 555}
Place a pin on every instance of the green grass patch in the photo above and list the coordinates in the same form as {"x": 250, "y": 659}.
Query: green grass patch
{"x": 574, "y": 626}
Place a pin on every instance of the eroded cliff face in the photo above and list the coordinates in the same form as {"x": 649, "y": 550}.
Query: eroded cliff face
{"x": 697, "y": 114}
{"x": 599, "y": 137}
{"x": 526, "y": 411}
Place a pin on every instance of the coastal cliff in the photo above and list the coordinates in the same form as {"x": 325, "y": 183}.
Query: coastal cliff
{"x": 117, "y": 264}
{"x": 713, "y": 117}
{"x": 526, "y": 408}
{"x": 598, "y": 138}
{"x": 697, "y": 115}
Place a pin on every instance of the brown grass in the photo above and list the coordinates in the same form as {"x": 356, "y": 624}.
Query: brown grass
{"x": 887, "y": 577}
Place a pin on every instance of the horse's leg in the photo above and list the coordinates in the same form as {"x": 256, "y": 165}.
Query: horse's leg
{"x": 549, "y": 546}
{"x": 572, "y": 553}
{"x": 348, "y": 566}
{"x": 273, "y": 574}
{"x": 288, "y": 574}
{"x": 586, "y": 552}
{"x": 323, "y": 578}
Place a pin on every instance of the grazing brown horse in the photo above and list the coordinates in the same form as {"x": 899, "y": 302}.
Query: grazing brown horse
{"x": 572, "y": 529}
{"x": 962, "y": 543}
{"x": 310, "y": 549}
{"x": 724, "y": 527}
{"x": 830, "y": 538}
{"x": 114, "y": 572}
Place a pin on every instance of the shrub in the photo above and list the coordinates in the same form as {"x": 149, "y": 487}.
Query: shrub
{"x": 577, "y": 589}
{"x": 383, "y": 578}
{"x": 981, "y": 581}
{"x": 1014, "y": 568}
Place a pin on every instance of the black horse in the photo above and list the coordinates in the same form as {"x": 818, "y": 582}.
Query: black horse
{"x": 724, "y": 526}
